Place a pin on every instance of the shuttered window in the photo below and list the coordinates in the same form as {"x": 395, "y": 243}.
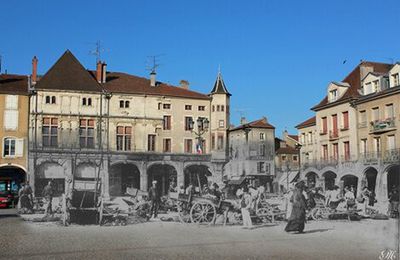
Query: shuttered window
{"x": 13, "y": 147}
{"x": 11, "y": 113}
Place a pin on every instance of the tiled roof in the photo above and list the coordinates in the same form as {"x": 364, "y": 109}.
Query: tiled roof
{"x": 68, "y": 74}
{"x": 309, "y": 122}
{"x": 13, "y": 84}
{"x": 219, "y": 86}
{"x": 354, "y": 79}
{"x": 287, "y": 150}
{"x": 117, "y": 82}
{"x": 261, "y": 123}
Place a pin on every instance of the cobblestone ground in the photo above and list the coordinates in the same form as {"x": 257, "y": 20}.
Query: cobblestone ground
{"x": 364, "y": 239}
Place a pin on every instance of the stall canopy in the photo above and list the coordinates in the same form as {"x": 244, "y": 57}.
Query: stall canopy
{"x": 293, "y": 176}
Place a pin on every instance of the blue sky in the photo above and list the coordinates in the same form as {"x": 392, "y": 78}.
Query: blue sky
{"x": 276, "y": 57}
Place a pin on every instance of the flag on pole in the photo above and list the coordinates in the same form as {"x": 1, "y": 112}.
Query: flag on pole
{"x": 198, "y": 149}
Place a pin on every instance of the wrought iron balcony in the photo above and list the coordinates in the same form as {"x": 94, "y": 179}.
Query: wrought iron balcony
{"x": 381, "y": 126}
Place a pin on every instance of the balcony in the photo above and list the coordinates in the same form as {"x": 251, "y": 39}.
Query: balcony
{"x": 333, "y": 135}
{"x": 323, "y": 132}
{"x": 382, "y": 126}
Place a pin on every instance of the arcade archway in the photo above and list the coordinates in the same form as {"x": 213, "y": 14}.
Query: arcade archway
{"x": 329, "y": 179}
{"x": 123, "y": 176}
{"x": 197, "y": 175}
{"x": 49, "y": 171}
{"x": 369, "y": 180}
{"x": 164, "y": 174}
{"x": 11, "y": 178}
{"x": 393, "y": 178}
{"x": 349, "y": 181}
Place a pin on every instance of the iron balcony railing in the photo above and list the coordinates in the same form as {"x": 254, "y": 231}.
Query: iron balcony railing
{"x": 382, "y": 125}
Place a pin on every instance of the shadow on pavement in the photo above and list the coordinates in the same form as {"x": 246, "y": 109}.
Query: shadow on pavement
{"x": 316, "y": 230}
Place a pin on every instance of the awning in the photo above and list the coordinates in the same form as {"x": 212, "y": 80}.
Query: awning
{"x": 236, "y": 180}
{"x": 293, "y": 176}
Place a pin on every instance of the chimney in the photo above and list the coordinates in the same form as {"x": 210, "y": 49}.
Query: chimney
{"x": 153, "y": 79}
{"x": 34, "y": 69}
{"x": 264, "y": 118}
{"x": 98, "y": 71}
{"x": 103, "y": 72}
{"x": 184, "y": 84}
{"x": 243, "y": 120}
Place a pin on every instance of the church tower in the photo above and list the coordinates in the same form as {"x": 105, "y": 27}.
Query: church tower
{"x": 220, "y": 120}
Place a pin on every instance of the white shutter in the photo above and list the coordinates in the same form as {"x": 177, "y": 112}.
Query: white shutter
{"x": 11, "y": 102}
{"x": 11, "y": 119}
{"x": 19, "y": 147}
{"x": 391, "y": 142}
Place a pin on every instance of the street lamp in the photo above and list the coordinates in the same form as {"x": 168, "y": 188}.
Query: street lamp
{"x": 202, "y": 127}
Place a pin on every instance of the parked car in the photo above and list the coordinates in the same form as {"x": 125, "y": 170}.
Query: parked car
{"x": 7, "y": 199}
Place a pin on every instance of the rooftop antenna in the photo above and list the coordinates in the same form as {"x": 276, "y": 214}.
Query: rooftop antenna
{"x": 97, "y": 51}
{"x": 153, "y": 63}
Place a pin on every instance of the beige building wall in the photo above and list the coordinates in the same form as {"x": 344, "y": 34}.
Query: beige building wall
{"x": 21, "y": 132}
{"x": 308, "y": 138}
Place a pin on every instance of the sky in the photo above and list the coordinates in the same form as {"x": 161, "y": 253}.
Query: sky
{"x": 276, "y": 57}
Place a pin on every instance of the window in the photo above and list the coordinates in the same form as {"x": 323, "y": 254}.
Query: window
{"x": 188, "y": 107}
{"x": 221, "y": 123}
{"x": 89, "y": 101}
{"x": 86, "y": 101}
{"x": 375, "y": 86}
{"x": 345, "y": 120}
{"x": 53, "y": 99}
{"x": 222, "y": 108}
{"x": 201, "y": 108}
{"x": 324, "y": 125}
{"x": 368, "y": 88}
{"x": 50, "y": 132}
{"x": 375, "y": 114}
{"x": 159, "y": 106}
{"x": 220, "y": 142}
{"x": 262, "y": 136}
{"x": 188, "y": 145}
{"x": 377, "y": 145}
{"x": 188, "y": 120}
{"x": 86, "y": 133}
{"x": 261, "y": 150}
{"x": 346, "y": 150}
{"x": 391, "y": 144}
{"x": 389, "y": 111}
{"x": 310, "y": 137}
{"x": 83, "y": 101}
{"x": 283, "y": 158}
{"x": 124, "y": 104}
{"x": 333, "y": 95}
{"x": 11, "y": 113}
{"x": 362, "y": 120}
{"x": 213, "y": 142}
{"x": 151, "y": 143}
{"x": 395, "y": 79}
{"x": 335, "y": 150}
{"x": 218, "y": 108}
{"x": 260, "y": 167}
{"x": 325, "y": 152}
{"x": 124, "y": 137}
{"x": 363, "y": 146}
{"x": 167, "y": 123}
{"x": 13, "y": 147}
{"x": 334, "y": 123}
{"x": 167, "y": 145}
{"x": 295, "y": 158}
{"x": 48, "y": 100}
{"x": 167, "y": 106}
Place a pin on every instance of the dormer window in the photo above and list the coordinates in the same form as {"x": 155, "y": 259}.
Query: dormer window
{"x": 124, "y": 104}
{"x": 333, "y": 95}
{"x": 50, "y": 99}
{"x": 395, "y": 80}
{"x": 375, "y": 86}
{"x": 368, "y": 88}
{"x": 87, "y": 102}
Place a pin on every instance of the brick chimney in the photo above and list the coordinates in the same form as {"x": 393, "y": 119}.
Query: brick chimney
{"x": 34, "y": 69}
{"x": 103, "y": 72}
{"x": 184, "y": 84}
{"x": 153, "y": 79}
{"x": 99, "y": 73}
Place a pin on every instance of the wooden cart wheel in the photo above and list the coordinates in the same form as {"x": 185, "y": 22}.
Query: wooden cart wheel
{"x": 183, "y": 212}
{"x": 265, "y": 215}
{"x": 203, "y": 212}
{"x": 101, "y": 211}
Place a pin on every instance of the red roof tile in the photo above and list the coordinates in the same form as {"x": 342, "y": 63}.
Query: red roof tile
{"x": 261, "y": 123}
{"x": 119, "y": 82}
{"x": 354, "y": 79}
{"x": 13, "y": 84}
{"x": 309, "y": 122}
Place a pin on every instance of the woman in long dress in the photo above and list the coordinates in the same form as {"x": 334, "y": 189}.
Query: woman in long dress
{"x": 297, "y": 217}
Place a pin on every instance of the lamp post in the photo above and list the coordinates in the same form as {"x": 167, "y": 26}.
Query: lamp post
{"x": 202, "y": 127}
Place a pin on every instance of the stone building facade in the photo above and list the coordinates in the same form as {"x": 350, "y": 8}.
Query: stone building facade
{"x": 14, "y": 102}
{"x": 356, "y": 141}
{"x": 124, "y": 130}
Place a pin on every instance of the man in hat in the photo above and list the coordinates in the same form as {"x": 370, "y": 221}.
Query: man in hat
{"x": 154, "y": 196}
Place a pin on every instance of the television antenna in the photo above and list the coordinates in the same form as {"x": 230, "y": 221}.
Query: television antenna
{"x": 153, "y": 62}
{"x": 97, "y": 51}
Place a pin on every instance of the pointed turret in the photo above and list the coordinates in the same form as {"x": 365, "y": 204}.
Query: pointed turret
{"x": 219, "y": 86}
